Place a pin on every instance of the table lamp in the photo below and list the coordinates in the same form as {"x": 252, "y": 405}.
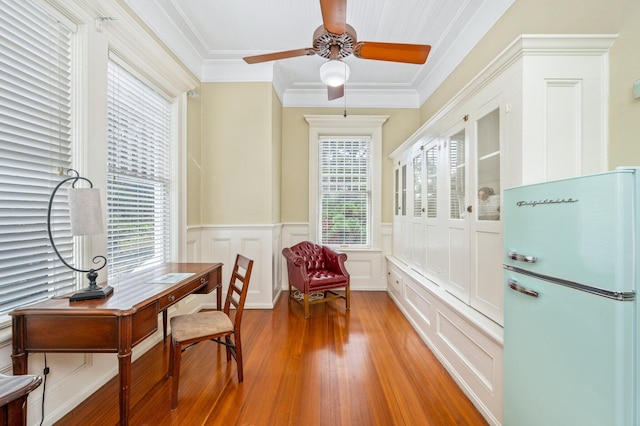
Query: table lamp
{"x": 86, "y": 219}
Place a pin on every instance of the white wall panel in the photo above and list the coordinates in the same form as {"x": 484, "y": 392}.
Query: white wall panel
{"x": 221, "y": 243}
{"x": 563, "y": 113}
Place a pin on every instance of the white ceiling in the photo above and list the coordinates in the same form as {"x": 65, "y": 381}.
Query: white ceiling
{"x": 212, "y": 36}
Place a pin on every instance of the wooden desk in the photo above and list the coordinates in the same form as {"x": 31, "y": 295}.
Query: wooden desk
{"x": 115, "y": 324}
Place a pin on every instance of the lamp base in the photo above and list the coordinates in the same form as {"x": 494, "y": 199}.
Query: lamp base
{"x": 92, "y": 292}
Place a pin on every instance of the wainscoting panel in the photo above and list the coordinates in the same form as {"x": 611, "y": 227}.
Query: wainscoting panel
{"x": 221, "y": 243}
{"x": 264, "y": 244}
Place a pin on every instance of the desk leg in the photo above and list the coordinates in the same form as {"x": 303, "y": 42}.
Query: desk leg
{"x": 124, "y": 368}
{"x": 164, "y": 325}
{"x": 19, "y": 356}
{"x": 20, "y": 365}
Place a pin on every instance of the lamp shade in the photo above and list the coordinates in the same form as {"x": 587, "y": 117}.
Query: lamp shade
{"x": 334, "y": 73}
{"x": 85, "y": 211}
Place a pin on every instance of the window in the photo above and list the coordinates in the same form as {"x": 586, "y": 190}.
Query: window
{"x": 35, "y": 145}
{"x": 345, "y": 180}
{"x": 345, "y": 190}
{"x": 138, "y": 176}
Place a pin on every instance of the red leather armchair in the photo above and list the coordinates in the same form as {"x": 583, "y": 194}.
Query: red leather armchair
{"x": 316, "y": 271}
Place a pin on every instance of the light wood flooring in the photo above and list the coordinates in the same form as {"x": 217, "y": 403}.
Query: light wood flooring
{"x": 366, "y": 366}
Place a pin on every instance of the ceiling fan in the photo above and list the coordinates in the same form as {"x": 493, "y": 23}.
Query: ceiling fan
{"x": 336, "y": 40}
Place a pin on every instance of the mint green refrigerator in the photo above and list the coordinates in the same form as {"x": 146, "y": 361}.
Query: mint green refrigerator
{"x": 571, "y": 317}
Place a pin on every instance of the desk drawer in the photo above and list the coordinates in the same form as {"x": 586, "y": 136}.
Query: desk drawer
{"x": 183, "y": 291}
{"x": 71, "y": 333}
{"x": 145, "y": 323}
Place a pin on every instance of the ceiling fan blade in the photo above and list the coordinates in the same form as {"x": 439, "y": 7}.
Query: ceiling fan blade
{"x": 394, "y": 52}
{"x": 334, "y": 15}
{"x": 279, "y": 55}
{"x": 335, "y": 92}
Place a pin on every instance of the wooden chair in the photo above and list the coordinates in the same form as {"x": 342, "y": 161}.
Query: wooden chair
{"x": 222, "y": 327}
{"x": 316, "y": 271}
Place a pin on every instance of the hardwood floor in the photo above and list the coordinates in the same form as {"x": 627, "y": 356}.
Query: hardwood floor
{"x": 363, "y": 367}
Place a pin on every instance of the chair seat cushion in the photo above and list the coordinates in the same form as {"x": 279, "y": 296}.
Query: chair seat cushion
{"x": 323, "y": 278}
{"x": 191, "y": 326}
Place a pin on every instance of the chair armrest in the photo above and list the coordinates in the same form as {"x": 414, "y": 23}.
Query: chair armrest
{"x": 293, "y": 258}
{"x": 334, "y": 261}
{"x": 296, "y": 270}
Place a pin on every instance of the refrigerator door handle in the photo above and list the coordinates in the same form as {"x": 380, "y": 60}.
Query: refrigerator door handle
{"x": 513, "y": 285}
{"x": 521, "y": 257}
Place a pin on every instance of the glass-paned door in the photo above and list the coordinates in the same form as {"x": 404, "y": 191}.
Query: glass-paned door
{"x": 489, "y": 166}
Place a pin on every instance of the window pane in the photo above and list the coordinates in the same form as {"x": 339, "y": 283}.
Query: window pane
{"x": 458, "y": 171}
{"x": 432, "y": 182}
{"x": 35, "y": 147}
{"x": 345, "y": 191}
{"x": 417, "y": 185}
{"x": 344, "y": 218}
{"x": 404, "y": 190}
{"x": 139, "y": 139}
{"x": 397, "y": 192}
{"x": 489, "y": 166}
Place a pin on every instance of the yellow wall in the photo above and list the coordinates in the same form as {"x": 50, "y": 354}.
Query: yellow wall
{"x": 276, "y": 172}
{"x": 569, "y": 17}
{"x": 237, "y": 154}
{"x": 295, "y": 155}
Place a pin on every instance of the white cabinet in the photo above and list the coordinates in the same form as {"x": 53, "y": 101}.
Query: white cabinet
{"x": 536, "y": 113}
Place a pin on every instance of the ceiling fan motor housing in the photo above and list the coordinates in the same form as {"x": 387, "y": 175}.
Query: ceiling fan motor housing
{"x": 323, "y": 40}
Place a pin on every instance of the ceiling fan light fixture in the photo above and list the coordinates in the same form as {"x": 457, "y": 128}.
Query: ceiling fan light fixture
{"x": 334, "y": 73}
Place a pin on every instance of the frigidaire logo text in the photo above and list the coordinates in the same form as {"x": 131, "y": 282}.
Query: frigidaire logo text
{"x": 545, "y": 202}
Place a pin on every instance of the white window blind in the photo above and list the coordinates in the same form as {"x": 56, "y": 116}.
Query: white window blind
{"x": 345, "y": 191}
{"x": 139, "y": 142}
{"x": 35, "y": 142}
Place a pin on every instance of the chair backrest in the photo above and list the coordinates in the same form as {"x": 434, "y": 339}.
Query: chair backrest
{"x": 238, "y": 286}
{"x": 312, "y": 254}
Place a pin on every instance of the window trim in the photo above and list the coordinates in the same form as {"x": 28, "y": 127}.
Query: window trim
{"x": 338, "y": 126}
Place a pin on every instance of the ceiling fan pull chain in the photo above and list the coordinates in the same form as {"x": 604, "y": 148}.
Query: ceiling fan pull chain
{"x": 345, "y": 93}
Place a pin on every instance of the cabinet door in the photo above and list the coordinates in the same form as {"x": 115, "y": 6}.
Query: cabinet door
{"x": 418, "y": 253}
{"x": 402, "y": 241}
{"x": 457, "y": 216}
{"x": 486, "y": 225}
{"x": 397, "y": 211}
{"x": 432, "y": 216}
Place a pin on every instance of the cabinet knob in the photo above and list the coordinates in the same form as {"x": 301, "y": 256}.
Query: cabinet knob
{"x": 470, "y": 209}
{"x": 171, "y": 298}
